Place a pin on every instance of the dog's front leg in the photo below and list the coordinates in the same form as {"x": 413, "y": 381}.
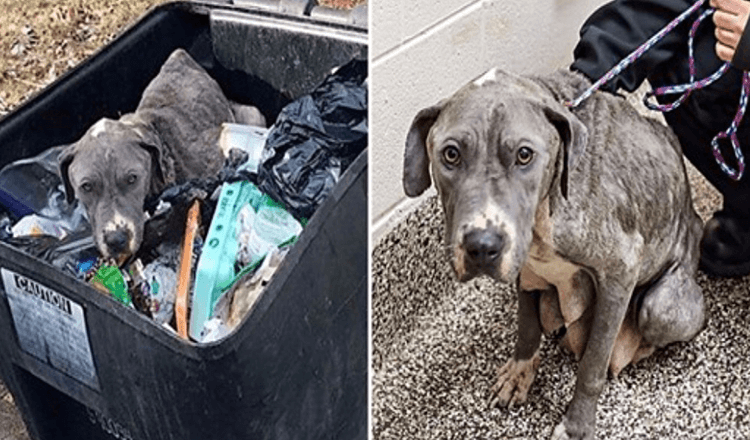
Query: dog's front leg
{"x": 515, "y": 377}
{"x": 579, "y": 422}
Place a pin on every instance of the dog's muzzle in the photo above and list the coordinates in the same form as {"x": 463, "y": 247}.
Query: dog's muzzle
{"x": 480, "y": 253}
{"x": 117, "y": 244}
{"x": 483, "y": 248}
{"x": 116, "y": 241}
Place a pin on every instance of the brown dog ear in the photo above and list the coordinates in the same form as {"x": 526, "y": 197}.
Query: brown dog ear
{"x": 416, "y": 162}
{"x": 574, "y": 138}
{"x": 63, "y": 163}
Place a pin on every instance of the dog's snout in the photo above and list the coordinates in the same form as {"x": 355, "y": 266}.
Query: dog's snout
{"x": 116, "y": 240}
{"x": 483, "y": 247}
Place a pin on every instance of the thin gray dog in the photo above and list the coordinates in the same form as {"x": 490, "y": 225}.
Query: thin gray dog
{"x": 172, "y": 136}
{"x": 588, "y": 210}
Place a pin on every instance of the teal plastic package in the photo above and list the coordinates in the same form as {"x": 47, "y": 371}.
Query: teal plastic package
{"x": 246, "y": 226}
{"x": 216, "y": 263}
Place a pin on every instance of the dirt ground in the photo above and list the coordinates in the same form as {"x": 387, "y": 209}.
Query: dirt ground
{"x": 39, "y": 41}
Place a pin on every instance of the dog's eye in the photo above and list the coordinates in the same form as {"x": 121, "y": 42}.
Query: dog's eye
{"x": 451, "y": 155}
{"x": 87, "y": 187}
{"x": 524, "y": 155}
{"x": 132, "y": 179}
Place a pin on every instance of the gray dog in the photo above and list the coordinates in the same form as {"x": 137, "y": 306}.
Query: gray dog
{"x": 172, "y": 136}
{"x": 588, "y": 210}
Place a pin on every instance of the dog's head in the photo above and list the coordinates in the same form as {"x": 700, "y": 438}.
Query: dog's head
{"x": 496, "y": 148}
{"x": 111, "y": 170}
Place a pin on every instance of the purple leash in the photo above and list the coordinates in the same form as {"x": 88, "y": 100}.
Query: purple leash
{"x": 685, "y": 89}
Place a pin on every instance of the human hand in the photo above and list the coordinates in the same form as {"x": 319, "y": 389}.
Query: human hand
{"x": 730, "y": 19}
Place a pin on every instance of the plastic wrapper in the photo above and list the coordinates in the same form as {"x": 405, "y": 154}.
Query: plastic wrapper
{"x": 314, "y": 139}
{"x": 156, "y": 288}
{"x": 75, "y": 254}
{"x": 247, "y": 138}
{"x": 110, "y": 280}
{"x": 32, "y": 188}
{"x": 261, "y": 229}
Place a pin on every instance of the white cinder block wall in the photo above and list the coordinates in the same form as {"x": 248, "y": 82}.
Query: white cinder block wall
{"x": 424, "y": 50}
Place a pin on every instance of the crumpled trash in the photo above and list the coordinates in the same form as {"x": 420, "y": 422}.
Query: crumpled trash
{"x": 314, "y": 139}
{"x": 234, "y": 304}
{"x": 31, "y": 188}
{"x": 74, "y": 254}
{"x": 232, "y": 245}
{"x": 261, "y": 229}
{"x": 247, "y": 138}
{"x": 38, "y": 225}
{"x": 154, "y": 287}
{"x": 109, "y": 280}
{"x": 214, "y": 330}
{"x": 247, "y": 290}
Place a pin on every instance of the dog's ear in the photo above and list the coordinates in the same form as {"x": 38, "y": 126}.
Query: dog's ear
{"x": 574, "y": 138}
{"x": 161, "y": 168}
{"x": 64, "y": 159}
{"x": 158, "y": 178}
{"x": 416, "y": 163}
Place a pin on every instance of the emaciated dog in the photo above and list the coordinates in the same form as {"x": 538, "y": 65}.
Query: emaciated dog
{"x": 172, "y": 136}
{"x": 587, "y": 210}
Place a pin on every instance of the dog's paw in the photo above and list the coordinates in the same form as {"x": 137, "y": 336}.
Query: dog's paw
{"x": 513, "y": 381}
{"x": 571, "y": 431}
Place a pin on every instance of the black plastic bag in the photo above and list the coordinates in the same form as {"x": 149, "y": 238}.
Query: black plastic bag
{"x": 314, "y": 139}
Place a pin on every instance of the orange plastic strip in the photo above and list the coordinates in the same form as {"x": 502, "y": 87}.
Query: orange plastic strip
{"x": 186, "y": 257}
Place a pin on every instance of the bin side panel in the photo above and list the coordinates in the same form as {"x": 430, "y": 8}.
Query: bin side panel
{"x": 307, "y": 337}
{"x": 293, "y": 59}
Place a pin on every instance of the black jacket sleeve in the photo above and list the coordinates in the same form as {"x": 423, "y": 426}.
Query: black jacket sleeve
{"x": 741, "y": 58}
{"x": 619, "y": 27}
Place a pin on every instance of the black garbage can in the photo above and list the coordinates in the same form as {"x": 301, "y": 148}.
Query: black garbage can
{"x": 82, "y": 366}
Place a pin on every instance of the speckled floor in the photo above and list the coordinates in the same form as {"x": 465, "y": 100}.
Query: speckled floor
{"x": 437, "y": 344}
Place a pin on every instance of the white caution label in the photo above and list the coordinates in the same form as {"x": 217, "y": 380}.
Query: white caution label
{"x": 50, "y": 327}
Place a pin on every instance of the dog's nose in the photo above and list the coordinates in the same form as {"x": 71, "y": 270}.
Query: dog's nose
{"x": 116, "y": 241}
{"x": 483, "y": 247}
